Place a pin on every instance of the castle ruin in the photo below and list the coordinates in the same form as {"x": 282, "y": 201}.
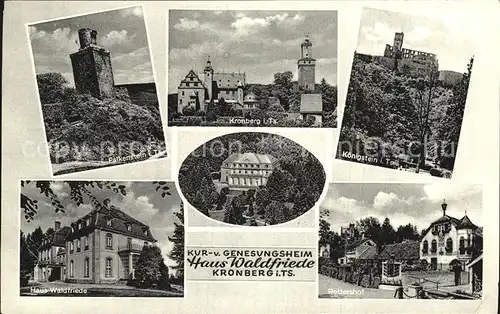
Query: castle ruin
{"x": 397, "y": 51}
{"x": 91, "y": 64}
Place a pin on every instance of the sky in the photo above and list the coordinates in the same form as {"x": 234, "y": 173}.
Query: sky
{"x": 448, "y": 38}
{"x": 402, "y": 203}
{"x": 122, "y": 32}
{"x": 259, "y": 43}
{"x": 141, "y": 202}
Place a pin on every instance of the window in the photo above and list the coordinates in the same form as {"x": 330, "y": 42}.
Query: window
{"x": 108, "y": 222}
{"x": 80, "y": 226}
{"x": 86, "y": 242}
{"x": 182, "y": 94}
{"x": 146, "y": 232}
{"x": 449, "y": 245}
{"x": 129, "y": 227}
{"x": 196, "y": 84}
{"x": 109, "y": 241}
{"x": 78, "y": 243}
{"x": 433, "y": 246}
{"x": 88, "y": 222}
{"x": 462, "y": 245}
{"x": 187, "y": 84}
{"x": 71, "y": 269}
{"x": 425, "y": 247}
{"x": 109, "y": 267}
{"x": 71, "y": 247}
{"x": 86, "y": 267}
{"x": 129, "y": 243}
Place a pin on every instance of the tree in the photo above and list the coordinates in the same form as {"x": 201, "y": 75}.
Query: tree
{"x": 387, "y": 233}
{"x": 177, "y": 252}
{"x": 189, "y": 111}
{"x": 233, "y": 213}
{"x": 406, "y": 232}
{"x": 262, "y": 199}
{"x": 371, "y": 228}
{"x": 51, "y": 87}
{"x": 27, "y": 260}
{"x": 225, "y": 109}
{"x": 150, "y": 269}
{"x": 279, "y": 184}
{"x": 451, "y": 123}
{"x": 283, "y": 87}
{"x": 276, "y": 213}
{"x": 250, "y": 199}
{"x": 328, "y": 96}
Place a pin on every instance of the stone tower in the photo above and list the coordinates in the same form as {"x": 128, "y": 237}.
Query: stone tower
{"x": 92, "y": 66}
{"x": 306, "y": 65}
{"x": 398, "y": 42}
{"x": 209, "y": 78}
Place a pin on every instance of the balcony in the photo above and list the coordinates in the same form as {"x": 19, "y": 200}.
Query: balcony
{"x": 130, "y": 247}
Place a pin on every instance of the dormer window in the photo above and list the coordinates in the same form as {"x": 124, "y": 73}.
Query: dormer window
{"x": 88, "y": 221}
{"x": 108, "y": 221}
{"x": 129, "y": 227}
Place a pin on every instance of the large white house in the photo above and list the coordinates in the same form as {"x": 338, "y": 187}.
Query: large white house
{"x": 449, "y": 240}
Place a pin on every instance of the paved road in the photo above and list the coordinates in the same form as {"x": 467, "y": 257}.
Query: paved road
{"x": 344, "y": 290}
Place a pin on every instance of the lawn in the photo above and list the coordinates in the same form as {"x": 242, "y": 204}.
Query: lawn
{"x": 107, "y": 292}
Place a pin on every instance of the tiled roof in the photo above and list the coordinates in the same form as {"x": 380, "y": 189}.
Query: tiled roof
{"x": 356, "y": 243}
{"x": 369, "y": 253}
{"x": 409, "y": 250}
{"x": 58, "y": 238}
{"x": 119, "y": 223}
{"x": 228, "y": 80}
{"x": 193, "y": 76}
{"x": 465, "y": 223}
{"x": 251, "y": 158}
{"x": 311, "y": 103}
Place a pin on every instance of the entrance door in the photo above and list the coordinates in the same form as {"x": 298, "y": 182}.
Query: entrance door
{"x": 434, "y": 262}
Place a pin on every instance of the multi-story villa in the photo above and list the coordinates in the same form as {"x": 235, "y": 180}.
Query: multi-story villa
{"x": 52, "y": 255}
{"x": 101, "y": 247}
{"x": 104, "y": 246}
{"x": 247, "y": 171}
{"x": 449, "y": 240}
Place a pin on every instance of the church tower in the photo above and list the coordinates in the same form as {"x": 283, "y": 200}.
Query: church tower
{"x": 92, "y": 66}
{"x": 306, "y": 66}
{"x": 209, "y": 78}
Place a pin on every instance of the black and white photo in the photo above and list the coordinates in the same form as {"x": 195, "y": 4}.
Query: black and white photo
{"x": 251, "y": 179}
{"x": 407, "y": 93}
{"x": 97, "y": 90}
{"x": 252, "y": 68}
{"x": 402, "y": 241}
{"x": 101, "y": 239}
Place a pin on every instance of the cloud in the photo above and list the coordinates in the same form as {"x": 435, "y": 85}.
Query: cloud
{"x": 244, "y": 25}
{"x": 378, "y": 32}
{"x": 115, "y": 38}
{"x": 186, "y": 24}
{"x": 439, "y": 191}
{"x": 135, "y": 11}
{"x": 383, "y": 199}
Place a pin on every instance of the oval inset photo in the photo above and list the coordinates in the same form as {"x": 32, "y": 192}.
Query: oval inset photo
{"x": 252, "y": 179}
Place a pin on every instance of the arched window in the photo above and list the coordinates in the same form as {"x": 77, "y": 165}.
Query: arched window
{"x": 462, "y": 245}
{"x": 109, "y": 241}
{"x": 449, "y": 245}
{"x": 86, "y": 267}
{"x": 433, "y": 246}
{"x": 72, "y": 269}
{"x": 109, "y": 267}
{"x": 425, "y": 247}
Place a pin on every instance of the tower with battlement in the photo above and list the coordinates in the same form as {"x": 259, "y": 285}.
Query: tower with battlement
{"x": 92, "y": 70}
{"x": 306, "y": 66}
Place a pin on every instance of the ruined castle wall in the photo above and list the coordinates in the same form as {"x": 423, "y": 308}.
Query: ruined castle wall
{"x": 83, "y": 72}
{"x": 104, "y": 73}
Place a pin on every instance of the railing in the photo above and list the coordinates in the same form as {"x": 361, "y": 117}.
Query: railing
{"x": 130, "y": 247}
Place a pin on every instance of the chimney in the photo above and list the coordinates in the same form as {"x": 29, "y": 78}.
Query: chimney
{"x": 57, "y": 225}
{"x": 443, "y": 206}
{"x": 87, "y": 37}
